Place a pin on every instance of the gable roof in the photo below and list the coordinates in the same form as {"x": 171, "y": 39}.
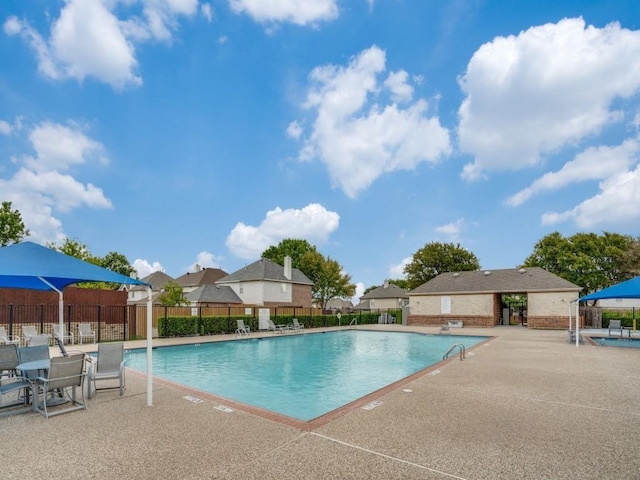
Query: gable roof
{"x": 388, "y": 290}
{"x": 156, "y": 279}
{"x": 213, "y": 294}
{"x": 523, "y": 280}
{"x": 206, "y": 276}
{"x": 265, "y": 269}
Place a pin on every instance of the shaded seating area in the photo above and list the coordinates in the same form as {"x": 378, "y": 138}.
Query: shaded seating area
{"x": 15, "y": 388}
{"x": 59, "y": 386}
{"x": 66, "y": 337}
{"x": 616, "y": 326}
{"x": 85, "y": 332}
{"x": 108, "y": 365}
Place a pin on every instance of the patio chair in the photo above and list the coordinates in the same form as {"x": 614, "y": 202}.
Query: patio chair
{"x": 67, "y": 337}
{"x": 444, "y": 328}
{"x": 65, "y": 373}
{"x": 572, "y": 336}
{"x": 28, "y": 331}
{"x": 31, "y": 354}
{"x": 11, "y": 382}
{"x": 615, "y": 325}
{"x": 272, "y": 327}
{"x": 297, "y": 326}
{"x": 84, "y": 331}
{"x": 109, "y": 365}
{"x": 5, "y": 338}
{"x": 242, "y": 328}
{"x": 36, "y": 340}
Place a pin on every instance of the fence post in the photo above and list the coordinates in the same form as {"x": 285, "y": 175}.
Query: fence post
{"x": 11, "y": 319}
{"x": 99, "y": 321}
{"x": 124, "y": 323}
{"x": 42, "y": 317}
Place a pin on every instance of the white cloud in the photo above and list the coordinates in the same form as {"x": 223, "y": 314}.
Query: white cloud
{"x": 400, "y": 89}
{"x": 207, "y": 11}
{"x": 359, "y": 292}
{"x": 299, "y": 12}
{"x": 550, "y": 86}
{"x": 595, "y": 163}
{"x": 358, "y": 139}
{"x": 397, "y": 270}
{"x": 37, "y": 188}
{"x": 452, "y": 230}
{"x": 616, "y": 206}
{"x": 144, "y": 268}
{"x": 294, "y": 130}
{"x": 205, "y": 260}
{"x": 89, "y": 39}
{"x": 5, "y": 128}
{"x": 313, "y": 223}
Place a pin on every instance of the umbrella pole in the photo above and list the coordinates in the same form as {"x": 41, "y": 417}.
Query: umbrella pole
{"x": 60, "y": 307}
{"x": 149, "y": 350}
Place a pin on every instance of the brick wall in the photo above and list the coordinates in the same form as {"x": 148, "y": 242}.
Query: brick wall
{"x": 72, "y": 296}
{"x": 559, "y": 323}
{"x": 436, "y": 320}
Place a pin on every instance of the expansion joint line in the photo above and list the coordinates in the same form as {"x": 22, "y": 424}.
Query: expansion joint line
{"x": 395, "y": 459}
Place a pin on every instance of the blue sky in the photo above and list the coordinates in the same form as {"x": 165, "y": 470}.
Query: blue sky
{"x": 179, "y": 132}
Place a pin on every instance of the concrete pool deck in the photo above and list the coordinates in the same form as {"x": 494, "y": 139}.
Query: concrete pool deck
{"x": 526, "y": 405}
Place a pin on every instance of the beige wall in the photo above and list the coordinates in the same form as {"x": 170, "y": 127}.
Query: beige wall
{"x": 550, "y": 304}
{"x": 478, "y": 304}
{"x": 384, "y": 303}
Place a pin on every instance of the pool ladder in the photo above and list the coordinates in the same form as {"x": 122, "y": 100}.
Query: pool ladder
{"x": 453, "y": 347}
{"x": 354, "y": 323}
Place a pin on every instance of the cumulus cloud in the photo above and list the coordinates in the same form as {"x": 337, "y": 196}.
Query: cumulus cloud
{"x": 617, "y": 206}
{"x": 89, "y": 39}
{"x": 397, "y": 270}
{"x": 205, "y": 260}
{"x": 452, "y": 230}
{"x": 5, "y": 127}
{"x": 313, "y": 223}
{"x": 38, "y": 188}
{"x": 548, "y": 87}
{"x": 144, "y": 268}
{"x": 595, "y": 163}
{"x": 299, "y": 12}
{"x": 358, "y": 134}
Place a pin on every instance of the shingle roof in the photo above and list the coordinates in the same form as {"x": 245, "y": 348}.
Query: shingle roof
{"x": 265, "y": 269}
{"x": 386, "y": 291}
{"x": 157, "y": 280}
{"x": 206, "y": 276}
{"x": 524, "y": 280}
{"x": 213, "y": 294}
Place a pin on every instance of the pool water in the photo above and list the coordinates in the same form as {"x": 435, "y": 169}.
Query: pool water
{"x": 617, "y": 342}
{"x": 300, "y": 376}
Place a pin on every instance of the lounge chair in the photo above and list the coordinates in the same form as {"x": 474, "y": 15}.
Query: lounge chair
{"x": 65, "y": 373}
{"x": 6, "y": 339}
{"x": 272, "y": 327}
{"x": 297, "y": 326}
{"x": 67, "y": 337}
{"x": 32, "y": 354}
{"x": 616, "y": 325}
{"x": 12, "y": 382}
{"x": 444, "y": 328}
{"x": 109, "y": 365}
{"x": 84, "y": 331}
{"x": 242, "y": 328}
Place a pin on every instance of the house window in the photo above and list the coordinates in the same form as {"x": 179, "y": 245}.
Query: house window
{"x": 283, "y": 287}
{"x": 241, "y": 288}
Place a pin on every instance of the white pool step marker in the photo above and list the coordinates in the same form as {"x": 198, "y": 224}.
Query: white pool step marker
{"x": 435, "y": 372}
{"x": 193, "y": 399}
{"x": 224, "y": 409}
{"x": 372, "y": 405}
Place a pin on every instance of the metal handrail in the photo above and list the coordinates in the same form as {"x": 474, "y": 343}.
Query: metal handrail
{"x": 453, "y": 347}
{"x": 354, "y": 322}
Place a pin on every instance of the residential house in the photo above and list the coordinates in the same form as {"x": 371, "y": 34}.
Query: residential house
{"x": 265, "y": 283}
{"x": 200, "y": 276}
{"x": 137, "y": 294}
{"x": 386, "y": 297}
{"x": 213, "y": 296}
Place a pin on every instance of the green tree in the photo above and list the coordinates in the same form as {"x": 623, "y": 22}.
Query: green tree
{"x": 436, "y": 258}
{"x": 631, "y": 259}
{"x": 173, "y": 295}
{"x": 290, "y": 247}
{"x": 587, "y": 259}
{"x": 75, "y": 248}
{"x": 12, "y": 228}
{"x": 332, "y": 283}
{"x": 117, "y": 262}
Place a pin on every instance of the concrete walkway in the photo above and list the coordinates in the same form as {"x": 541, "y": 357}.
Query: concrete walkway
{"x": 526, "y": 405}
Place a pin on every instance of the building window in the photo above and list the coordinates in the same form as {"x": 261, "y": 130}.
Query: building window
{"x": 283, "y": 287}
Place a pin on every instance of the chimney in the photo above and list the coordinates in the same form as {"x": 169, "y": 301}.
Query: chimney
{"x": 287, "y": 267}
{"x": 385, "y": 284}
{"x": 196, "y": 268}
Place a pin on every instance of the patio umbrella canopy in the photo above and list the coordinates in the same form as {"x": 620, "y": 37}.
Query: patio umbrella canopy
{"x": 31, "y": 266}
{"x": 628, "y": 289}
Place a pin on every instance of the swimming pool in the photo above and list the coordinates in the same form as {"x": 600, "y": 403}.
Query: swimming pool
{"x": 300, "y": 376}
{"x": 617, "y": 342}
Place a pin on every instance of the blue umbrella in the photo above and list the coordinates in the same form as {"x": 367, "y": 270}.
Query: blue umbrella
{"x": 34, "y": 267}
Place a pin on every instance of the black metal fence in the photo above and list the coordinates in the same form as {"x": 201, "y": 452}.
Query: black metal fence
{"x": 117, "y": 323}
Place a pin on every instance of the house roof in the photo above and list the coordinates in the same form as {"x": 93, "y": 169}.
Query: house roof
{"x": 213, "y": 294}
{"x": 265, "y": 269}
{"x": 338, "y": 303}
{"x": 157, "y": 280}
{"x": 388, "y": 290}
{"x": 206, "y": 276}
{"x": 523, "y": 280}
